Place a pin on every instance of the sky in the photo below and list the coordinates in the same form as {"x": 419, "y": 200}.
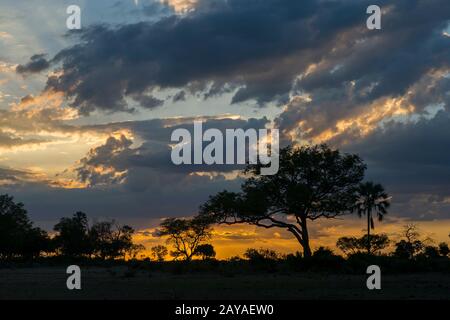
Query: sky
{"x": 86, "y": 115}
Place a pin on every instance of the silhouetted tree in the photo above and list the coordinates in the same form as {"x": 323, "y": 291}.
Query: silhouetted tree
{"x": 411, "y": 245}
{"x": 405, "y": 249}
{"x": 352, "y": 245}
{"x": 205, "y": 251}
{"x": 123, "y": 241}
{"x": 377, "y": 242}
{"x": 410, "y": 232}
{"x": 18, "y": 237}
{"x": 349, "y": 245}
{"x": 110, "y": 240}
{"x": 37, "y": 241}
{"x": 185, "y": 235}
{"x": 431, "y": 252}
{"x": 323, "y": 252}
{"x": 372, "y": 199}
{"x": 256, "y": 255}
{"x": 313, "y": 182}
{"x": 159, "y": 252}
{"x": 444, "y": 250}
{"x": 134, "y": 249}
{"x": 73, "y": 236}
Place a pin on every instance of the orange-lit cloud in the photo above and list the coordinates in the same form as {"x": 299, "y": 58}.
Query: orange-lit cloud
{"x": 35, "y": 133}
{"x": 213, "y": 174}
{"x": 368, "y": 120}
{"x": 360, "y": 124}
{"x": 7, "y": 67}
{"x": 364, "y": 118}
{"x": 180, "y": 6}
{"x": 5, "y": 35}
{"x": 49, "y": 103}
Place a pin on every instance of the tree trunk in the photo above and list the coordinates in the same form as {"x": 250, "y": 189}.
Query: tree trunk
{"x": 305, "y": 239}
{"x": 368, "y": 231}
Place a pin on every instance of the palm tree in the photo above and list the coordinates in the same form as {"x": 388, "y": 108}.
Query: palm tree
{"x": 372, "y": 199}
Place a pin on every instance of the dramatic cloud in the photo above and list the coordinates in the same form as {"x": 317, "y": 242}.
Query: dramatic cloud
{"x": 9, "y": 177}
{"x": 255, "y": 47}
{"x": 180, "y": 5}
{"x": 412, "y": 155}
{"x": 370, "y": 77}
{"x": 10, "y": 140}
{"x": 118, "y": 161}
{"x": 381, "y": 93}
{"x": 412, "y": 160}
{"x": 37, "y": 63}
{"x": 96, "y": 168}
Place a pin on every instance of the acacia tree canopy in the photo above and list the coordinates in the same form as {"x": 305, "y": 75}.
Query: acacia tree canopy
{"x": 351, "y": 245}
{"x": 206, "y": 251}
{"x": 185, "y": 235}
{"x": 313, "y": 182}
{"x": 110, "y": 240}
{"x": 159, "y": 252}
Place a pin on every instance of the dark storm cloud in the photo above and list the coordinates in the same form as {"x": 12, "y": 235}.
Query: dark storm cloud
{"x": 179, "y": 96}
{"x": 97, "y": 168}
{"x": 327, "y": 106}
{"x": 37, "y": 63}
{"x": 148, "y": 102}
{"x": 156, "y": 152}
{"x": 118, "y": 161}
{"x": 413, "y": 161}
{"x": 414, "y": 156}
{"x": 260, "y": 46}
{"x": 366, "y": 66}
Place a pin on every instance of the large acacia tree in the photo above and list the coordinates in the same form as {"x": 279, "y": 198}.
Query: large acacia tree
{"x": 313, "y": 182}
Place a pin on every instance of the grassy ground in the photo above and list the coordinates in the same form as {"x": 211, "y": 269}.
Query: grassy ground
{"x": 118, "y": 283}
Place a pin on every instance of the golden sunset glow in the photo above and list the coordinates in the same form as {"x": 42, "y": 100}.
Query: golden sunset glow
{"x": 231, "y": 241}
{"x": 181, "y": 6}
{"x": 87, "y": 115}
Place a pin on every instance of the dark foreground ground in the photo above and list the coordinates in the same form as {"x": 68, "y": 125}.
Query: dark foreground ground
{"x": 118, "y": 283}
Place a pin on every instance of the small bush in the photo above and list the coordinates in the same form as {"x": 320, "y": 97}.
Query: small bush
{"x": 262, "y": 259}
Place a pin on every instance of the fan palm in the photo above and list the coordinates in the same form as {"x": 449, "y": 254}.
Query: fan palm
{"x": 372, "y": 199}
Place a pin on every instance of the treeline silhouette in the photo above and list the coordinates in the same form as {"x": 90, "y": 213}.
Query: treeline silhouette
{"x": 74, "y": 238}
{"x": 108, "y": 243}
{"x": 313, "y": 182}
